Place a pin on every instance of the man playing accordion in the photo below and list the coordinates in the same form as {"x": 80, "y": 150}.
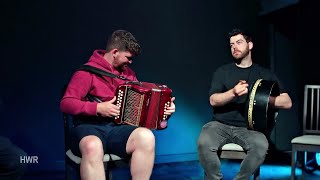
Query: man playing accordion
{"x": 95, "y": 135}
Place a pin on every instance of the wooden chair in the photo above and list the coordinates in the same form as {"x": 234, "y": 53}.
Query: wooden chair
{"x": 310, "y": 139}
{"x": 235, "y": 151}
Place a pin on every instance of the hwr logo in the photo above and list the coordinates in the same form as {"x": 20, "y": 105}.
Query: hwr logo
{"x": 28, "y": 159}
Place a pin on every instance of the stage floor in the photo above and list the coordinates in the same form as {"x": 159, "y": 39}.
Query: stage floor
{"x": 191, "y": 170}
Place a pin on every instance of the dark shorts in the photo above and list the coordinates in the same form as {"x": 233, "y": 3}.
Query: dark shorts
{"x": 114, "y": 137}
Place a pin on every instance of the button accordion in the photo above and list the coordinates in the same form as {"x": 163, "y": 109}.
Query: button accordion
{"x": 261, "y": 117}
{"x": 142, "y": 104}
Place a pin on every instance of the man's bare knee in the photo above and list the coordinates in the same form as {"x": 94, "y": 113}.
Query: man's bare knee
{"x": 142, "y": 138}
{"x": 91, "y": 146}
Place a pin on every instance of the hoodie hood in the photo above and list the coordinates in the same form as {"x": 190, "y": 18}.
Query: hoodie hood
{"x": 97, "y": 60}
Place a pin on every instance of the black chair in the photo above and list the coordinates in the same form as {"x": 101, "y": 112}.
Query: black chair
{"x": 72, "y": 162}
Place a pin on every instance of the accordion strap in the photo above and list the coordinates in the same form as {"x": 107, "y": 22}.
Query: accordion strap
{"x": 100, "y": 72}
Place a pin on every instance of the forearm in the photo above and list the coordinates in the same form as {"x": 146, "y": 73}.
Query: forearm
{"x": 220, "y": 99}
{"x": 75, "y": 106}
{"x": 283, "y": 101}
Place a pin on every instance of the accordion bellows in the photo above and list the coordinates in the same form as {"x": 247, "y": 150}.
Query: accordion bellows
{"x": 143, "y": 104}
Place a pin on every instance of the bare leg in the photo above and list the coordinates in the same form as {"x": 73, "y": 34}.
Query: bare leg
{"x": 141, "y": 144}
{"x": 91, "y": 166}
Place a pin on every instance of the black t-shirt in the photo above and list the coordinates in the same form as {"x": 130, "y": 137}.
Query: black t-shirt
{"x": 225, "y": 78}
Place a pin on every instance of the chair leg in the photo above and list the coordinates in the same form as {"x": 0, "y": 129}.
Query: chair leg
{"x": 67, "y": 172}
{"x": 293, "y": 164}
{"x": 110, "y": 174}
{"x": 107, "y": 170}
{"x": 256, "y": 175}
{"x": 304, "y": 165}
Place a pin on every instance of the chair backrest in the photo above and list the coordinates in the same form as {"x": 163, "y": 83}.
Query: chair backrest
{"x": 311, "y": 106}
{"x": 68, "y": 124}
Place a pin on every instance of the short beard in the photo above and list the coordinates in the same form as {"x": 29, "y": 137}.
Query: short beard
{"x": 237, "y": 60}
{"x": 243, "y": 55}
{"x": 121, "y": 68}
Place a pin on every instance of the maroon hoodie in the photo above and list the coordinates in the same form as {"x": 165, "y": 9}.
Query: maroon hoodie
{"x": 74, "y": 102}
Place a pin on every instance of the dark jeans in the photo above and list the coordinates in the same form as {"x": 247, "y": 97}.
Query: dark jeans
{"x": 10, "y": 166}
{"x": 215, "y": 134}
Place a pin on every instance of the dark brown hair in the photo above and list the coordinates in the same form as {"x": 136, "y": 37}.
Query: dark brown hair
{"x": 123, "y": 41}
{"x": 245, "y": 34}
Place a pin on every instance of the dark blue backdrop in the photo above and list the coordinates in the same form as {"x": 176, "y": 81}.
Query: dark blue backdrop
{"x": 43, "y": 42}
